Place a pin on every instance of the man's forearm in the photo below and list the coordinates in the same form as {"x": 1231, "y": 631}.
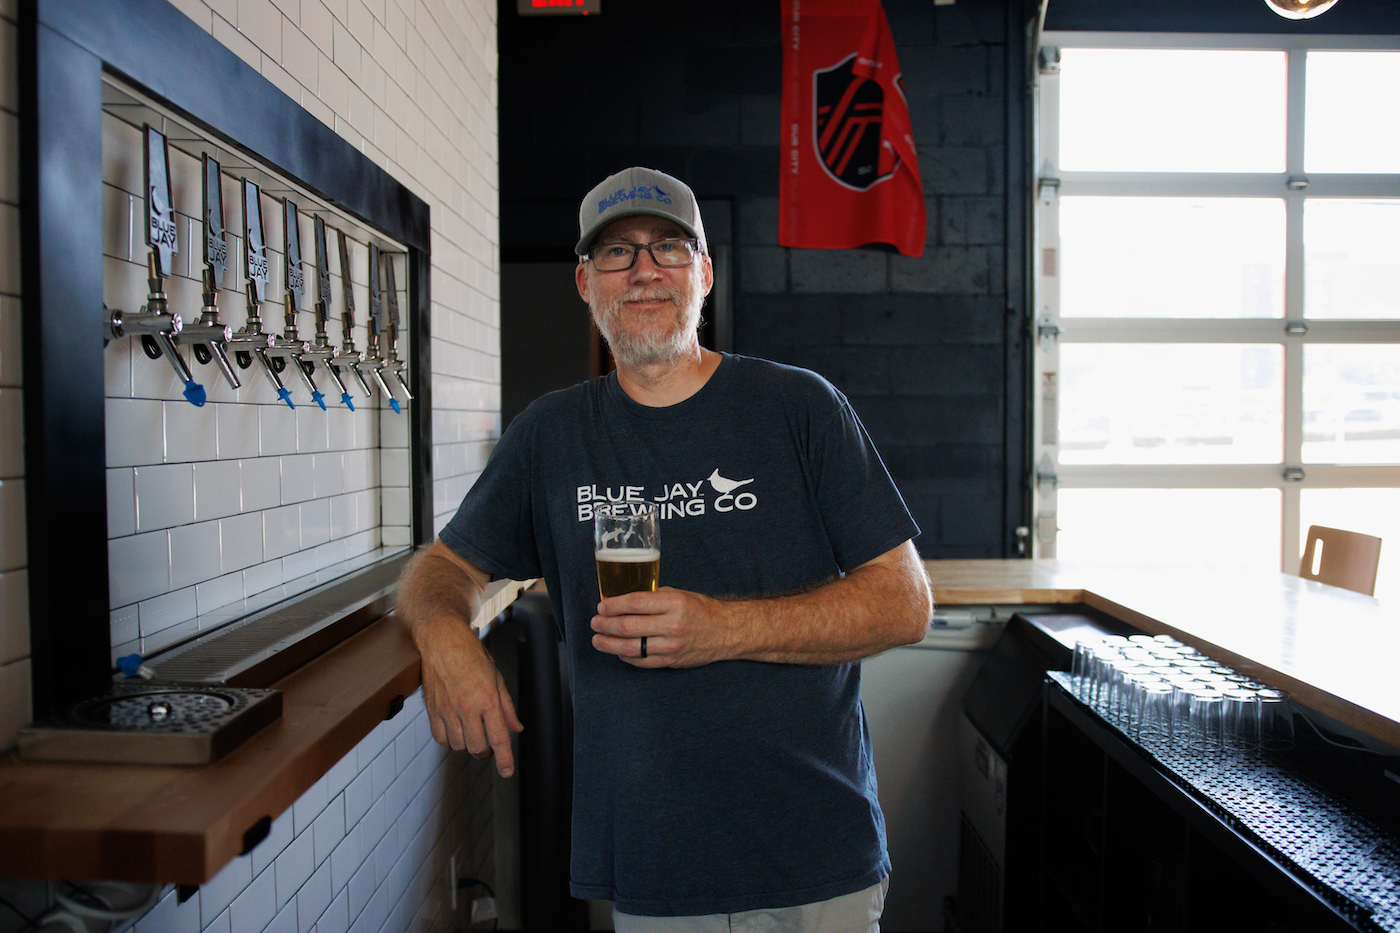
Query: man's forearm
{"x": 881, "y": 604}
{"x": 877, "y": 606}
{"x": 466, "y": 697}
{"x": 434, "y": 586}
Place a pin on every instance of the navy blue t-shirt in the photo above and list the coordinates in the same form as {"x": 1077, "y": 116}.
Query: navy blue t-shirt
{"x": 737, "y": 785}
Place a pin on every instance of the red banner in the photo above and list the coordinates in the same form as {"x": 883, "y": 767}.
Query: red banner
{"x": 850, "y": 174}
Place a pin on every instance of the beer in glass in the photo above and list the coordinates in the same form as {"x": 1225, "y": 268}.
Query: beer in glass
{"x": 627, "y": 548}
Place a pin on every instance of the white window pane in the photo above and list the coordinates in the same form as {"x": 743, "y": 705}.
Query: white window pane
{"x": 1353, "y": 112}
{"x": 1172, "y": 257}
{"x": 1172, "y": 110}
{"x": 1352, "y": 258}
{"x": 1171, "y": 403}
{"x": 1238, "y": 527}
{"x": 1369, "y": 511}
{"x": 1351, "y": 403}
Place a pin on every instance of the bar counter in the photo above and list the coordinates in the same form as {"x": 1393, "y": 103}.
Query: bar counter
{"x": 1334, "y": 650}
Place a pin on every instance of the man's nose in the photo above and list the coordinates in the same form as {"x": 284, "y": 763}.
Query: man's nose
{"x": 645, "y": 268}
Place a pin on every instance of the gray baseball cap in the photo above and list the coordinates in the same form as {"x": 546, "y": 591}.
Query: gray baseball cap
{"x": 634, "y": 191}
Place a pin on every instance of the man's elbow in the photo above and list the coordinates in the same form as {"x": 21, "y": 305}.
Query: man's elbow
{"x": 917, "y": 622}
{"x": 920, "y": 613}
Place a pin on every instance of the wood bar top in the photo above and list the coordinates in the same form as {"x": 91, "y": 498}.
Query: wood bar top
{"x": 1334, "y": 650}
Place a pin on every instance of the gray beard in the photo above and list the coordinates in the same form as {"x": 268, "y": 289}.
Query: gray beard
{"x": 636, "y": 350}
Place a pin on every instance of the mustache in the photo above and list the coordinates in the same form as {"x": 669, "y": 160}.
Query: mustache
{"x": 649, "y": 293}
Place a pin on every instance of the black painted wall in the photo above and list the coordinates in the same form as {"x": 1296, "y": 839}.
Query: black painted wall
{"x": 932, "y": 351}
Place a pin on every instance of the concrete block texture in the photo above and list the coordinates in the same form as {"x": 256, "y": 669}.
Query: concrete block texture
{"x": 758, "y": 221}
{"x": 940, "y": 71}
{"x": 852, "y": 271}
{"x": 975, "y": 220}
{"x": 911, "y": 320}
{"x": 973, "y": 120}
{"x": 968, "y": 419}
{"x": 763, "y": 270}
{"x": 765, "y": 323}
{"x": 955, "y": 170}
{"x": 949, "y": 270}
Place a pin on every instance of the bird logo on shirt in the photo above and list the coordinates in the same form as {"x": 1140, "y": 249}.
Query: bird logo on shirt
{"x": 725, "y": 486}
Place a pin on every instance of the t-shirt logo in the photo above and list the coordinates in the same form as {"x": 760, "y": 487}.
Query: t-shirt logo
{"x": 673, "y": 500}
{"x": 725, "y": 486}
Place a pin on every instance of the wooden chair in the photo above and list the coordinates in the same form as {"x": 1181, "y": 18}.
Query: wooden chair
{"x": 1342, "y": 558}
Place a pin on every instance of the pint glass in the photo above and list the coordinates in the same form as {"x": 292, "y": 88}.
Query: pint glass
{"x": 627, "y": 548}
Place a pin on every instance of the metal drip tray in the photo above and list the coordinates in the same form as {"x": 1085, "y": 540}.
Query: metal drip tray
{"x": 144, "y": 723}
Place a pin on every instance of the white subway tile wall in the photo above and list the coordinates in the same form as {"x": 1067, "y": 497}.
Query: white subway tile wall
{"x": 210, "y": 506}
{"x": 365, "y": 850}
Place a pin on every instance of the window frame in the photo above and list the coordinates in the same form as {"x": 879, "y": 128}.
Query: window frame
{"x": 1053, "y": 329}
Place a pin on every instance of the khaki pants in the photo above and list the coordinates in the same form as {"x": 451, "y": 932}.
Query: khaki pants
{"x": 849, "y": 913}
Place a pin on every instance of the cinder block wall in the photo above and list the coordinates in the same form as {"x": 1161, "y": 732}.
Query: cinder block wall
{"x": 413, "y": 84}
{"x": 930, "y": 350}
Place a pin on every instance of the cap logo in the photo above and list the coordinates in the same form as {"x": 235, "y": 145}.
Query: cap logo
{"x": 645, "y": 192}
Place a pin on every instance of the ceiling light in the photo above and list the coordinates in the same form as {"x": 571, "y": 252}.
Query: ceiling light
{"x": 1300, "y": 9}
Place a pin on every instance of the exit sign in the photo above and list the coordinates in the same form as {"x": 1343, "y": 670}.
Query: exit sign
{"x": 558, "y": 7}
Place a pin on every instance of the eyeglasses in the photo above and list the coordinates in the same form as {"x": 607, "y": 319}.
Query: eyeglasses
{"x": 671, "y": 252}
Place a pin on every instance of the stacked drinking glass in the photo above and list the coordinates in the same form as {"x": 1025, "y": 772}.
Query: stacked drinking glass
{"x": 1162, "y": 692}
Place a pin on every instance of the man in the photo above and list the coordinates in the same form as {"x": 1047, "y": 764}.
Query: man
{"x": 721, "y": 756}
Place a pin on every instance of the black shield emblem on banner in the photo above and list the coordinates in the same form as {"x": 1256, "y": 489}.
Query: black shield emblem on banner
{"x": 849, "y": 111}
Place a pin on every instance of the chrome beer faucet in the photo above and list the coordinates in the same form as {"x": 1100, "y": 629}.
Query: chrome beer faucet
{"x": 321, "y": 350}
{"x": 290, "y": 347}
{"x": 393, "y": 365}
{"x": 251, "y": 342}
{"x": 373, "y": 362}
{"x": 155, "y": 323}
{"x": 208, "y": 338}
{"x": 348, "y": 359}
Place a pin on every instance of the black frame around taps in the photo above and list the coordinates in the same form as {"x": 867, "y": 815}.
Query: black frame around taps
{"x": 64, "y": 48}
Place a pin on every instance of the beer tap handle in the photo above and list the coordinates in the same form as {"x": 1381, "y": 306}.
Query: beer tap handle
{"x": 155, "y": 321}
{"x": 347, "y": 316}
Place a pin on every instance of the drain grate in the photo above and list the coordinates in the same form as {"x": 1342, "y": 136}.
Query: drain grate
{"x": 1296, "y": 806}
{"x": 174, "y": 724}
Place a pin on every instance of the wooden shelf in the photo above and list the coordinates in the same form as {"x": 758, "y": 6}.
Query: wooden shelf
{"x": 183, "y": 824}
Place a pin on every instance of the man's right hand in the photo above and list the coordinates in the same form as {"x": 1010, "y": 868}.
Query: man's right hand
{"x": 466, "y": 697}
{"x": 467, "y": 701}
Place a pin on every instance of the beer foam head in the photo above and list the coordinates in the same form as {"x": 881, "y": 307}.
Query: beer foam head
{"x": 628, "y": 555}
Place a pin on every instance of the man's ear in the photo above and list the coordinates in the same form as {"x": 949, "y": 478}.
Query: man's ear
{"x": 708, "y": 276}
{"x": 581, "y": 279}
